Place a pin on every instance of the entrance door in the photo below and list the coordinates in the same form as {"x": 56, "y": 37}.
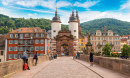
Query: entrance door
{"x": 65, "y": 50}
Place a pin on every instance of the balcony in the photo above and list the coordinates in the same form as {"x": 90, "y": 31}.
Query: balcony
{"x": 25, "y": 44}
{"x": 112, "y": 45}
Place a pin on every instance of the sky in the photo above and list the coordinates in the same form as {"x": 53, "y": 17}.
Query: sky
{"x": 88, "y": 9}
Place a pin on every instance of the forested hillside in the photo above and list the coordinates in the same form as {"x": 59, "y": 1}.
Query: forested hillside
{"x": 6, "y": 23}
{"x": 118, "y": 26}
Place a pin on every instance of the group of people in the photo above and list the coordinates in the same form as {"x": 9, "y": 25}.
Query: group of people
{"x": 25, "y": 59}
{"x": 52, "y": 56}
{"x": 90, "y": 57}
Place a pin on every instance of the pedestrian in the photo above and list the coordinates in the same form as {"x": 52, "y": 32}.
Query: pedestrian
{"x": 76, "y": 55}
{"x": 91, "y": 58}
{"x": 36, "y": 58}
{"x": 25, "y": 59}
{"x": 49, "y": 57}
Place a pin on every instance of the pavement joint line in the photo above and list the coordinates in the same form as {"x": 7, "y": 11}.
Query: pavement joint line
{"x": 41, "y": 69}
{"x": 88, "y": 68}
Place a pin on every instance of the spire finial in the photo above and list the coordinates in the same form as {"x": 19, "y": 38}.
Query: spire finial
{"x": 73, "y": 7}
{"x": 56, "y": 10}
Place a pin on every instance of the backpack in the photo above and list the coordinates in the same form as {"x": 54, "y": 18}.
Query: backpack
{"x": 35, "y": 56}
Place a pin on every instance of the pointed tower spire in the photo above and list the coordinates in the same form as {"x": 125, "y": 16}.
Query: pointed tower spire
{"x": 72, "y": 10}
{"x": 56, "y": 10}
{"x": 77, "y": 14}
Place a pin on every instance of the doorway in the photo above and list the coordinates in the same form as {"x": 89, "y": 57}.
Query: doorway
{"x": 65, "y": 50}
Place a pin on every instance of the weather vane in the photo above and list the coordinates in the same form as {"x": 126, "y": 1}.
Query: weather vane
{"x": 56, "y": 6}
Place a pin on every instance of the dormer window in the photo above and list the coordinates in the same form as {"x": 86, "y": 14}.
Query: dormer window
{"x": 16, "y": 35}
{"x": 68, "y": 34}
{"x": 11, "y": 35}
{"x": 37, "y": 35}
{"x": 35, "y": 30}
{"x": 20, "y": 30}
{"x": 109, "y": 33}
{"x": 98, "y": 33}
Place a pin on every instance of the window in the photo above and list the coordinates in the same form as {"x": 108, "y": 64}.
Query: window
{"x": 15, "y": 41}
{"x": 31, "y": 35}
{"x": 15, "y": 48}
{"x": 31, "y": 41}
{"x": 74, "y": 30}
{"x": 2, "y": 53}
{"x": 20, "y": 48}
{"x": 10, "y": 49}
{"x": 98, "y": 33}
{"x": 98, "y": 38}
{"x": 10, "y": 56}
{"x": 95, "y": 43}
{"x": 37, "y": 35}
{"x": 21, "y": 41}
{"x": 32, "y": 48}
{"x": 42, "y": 35}
{"x": 68, "y": 34}
{"x": 54, "y": 30}
{"x": 21, "y": 35}
{"x": 118, "y": 43}
{"x": 36, "y": 48}
{"x": 95, "y": 38}
{"x": 11, "y": 35}
{"x": 42, "y": 41}
{"x": 61, "y": 34}
{"x": 15, "y": 56}
{"x": 81, "y": 44}
{"x": 110, "y": 39}
{"x": 10, "y": 41}
{"x": 36, "y": 41}
{"x": 0, "y": 60}
{"x": 42, "y": 48}
{"x": 26, "y": 35}
{"x": 26, "y": 42}
{"x": 81, "y": 40}
{"x": 92, "y": 38}
{"x": 16, "y": 35}
{"x": 109, "y": 33}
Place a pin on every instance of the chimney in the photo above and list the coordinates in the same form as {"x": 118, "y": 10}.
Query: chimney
{"x": 105, "y": 29}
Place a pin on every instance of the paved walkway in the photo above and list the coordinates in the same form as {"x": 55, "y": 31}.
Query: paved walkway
{"x": 66, "y": 67}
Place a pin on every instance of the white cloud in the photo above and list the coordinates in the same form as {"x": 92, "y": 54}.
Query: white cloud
{"x": 27, "y": 3}
{"x": 125, "y": 5}
{"x": 32, "y": 15}
{"x": 86, "y": 4}
{"x": 4, "y": 3}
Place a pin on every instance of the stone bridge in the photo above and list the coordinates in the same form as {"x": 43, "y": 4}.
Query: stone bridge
{"x": 66, "y": 67}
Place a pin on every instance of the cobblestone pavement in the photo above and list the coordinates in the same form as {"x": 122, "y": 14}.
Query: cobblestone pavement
{"x": 65, "y": 67}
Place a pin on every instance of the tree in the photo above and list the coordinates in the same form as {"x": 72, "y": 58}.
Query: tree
{"x": 106, "y": 49}
{"x": 125, "y": 50}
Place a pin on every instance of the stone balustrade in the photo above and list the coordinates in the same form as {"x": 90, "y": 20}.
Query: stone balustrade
{"x": 11, "y": 67}
{"x": 119, "y": 65}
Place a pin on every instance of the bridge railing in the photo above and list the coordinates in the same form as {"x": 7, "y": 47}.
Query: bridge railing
{"x": 9, "y": 68}
{"x": 119, "y": 65}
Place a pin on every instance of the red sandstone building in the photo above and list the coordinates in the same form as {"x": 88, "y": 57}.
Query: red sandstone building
{"x": 32, "y": 39}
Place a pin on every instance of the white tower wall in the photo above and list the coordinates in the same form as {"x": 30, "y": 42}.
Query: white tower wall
{"x": 55, "y": 26}
{"x": 74, "y": 26}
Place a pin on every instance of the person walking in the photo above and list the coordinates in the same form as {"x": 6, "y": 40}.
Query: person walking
{"x": 25, "y": 59}
{"x": 36, "y": 58}
{"x": 91, "y": 58}
{"x": 73, "y": 56}
{"x": 76, "y": 55}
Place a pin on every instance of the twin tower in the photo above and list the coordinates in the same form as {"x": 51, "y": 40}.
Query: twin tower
{"x": 74, "y": 25}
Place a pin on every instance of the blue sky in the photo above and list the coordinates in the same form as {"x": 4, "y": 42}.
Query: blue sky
{"x": 88, "y": 9}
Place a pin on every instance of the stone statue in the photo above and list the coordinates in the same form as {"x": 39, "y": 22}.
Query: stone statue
{"x": 88, "y": 37}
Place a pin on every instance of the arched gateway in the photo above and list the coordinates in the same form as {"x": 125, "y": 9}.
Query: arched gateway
{"x": 64, "y": 43}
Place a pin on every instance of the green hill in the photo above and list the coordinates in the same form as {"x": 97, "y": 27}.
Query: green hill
{"x": 6, "y": 23}
{"x": 118, "y": 26}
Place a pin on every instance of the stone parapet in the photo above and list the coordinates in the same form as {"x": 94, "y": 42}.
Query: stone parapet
{"x": 9, "y": 68}
{"x": 119, "y": 65}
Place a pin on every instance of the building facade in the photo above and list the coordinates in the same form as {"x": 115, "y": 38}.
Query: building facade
{"x": 32, "y": 39}
{"x": 2, "y": 48}
{"x": 64, "y": 41}
{"x": 99, "y": 40}
{"x": 125, "y": 39}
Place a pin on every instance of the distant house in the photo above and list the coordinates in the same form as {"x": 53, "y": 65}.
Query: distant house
{"x": 32, "y": 39}
{"x": 100, "y": 39}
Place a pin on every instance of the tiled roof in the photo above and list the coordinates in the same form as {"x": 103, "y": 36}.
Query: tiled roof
{"x": 28, "y": 30}
{"x": 125, "y": 35}
{"x": 81, "y": 36}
